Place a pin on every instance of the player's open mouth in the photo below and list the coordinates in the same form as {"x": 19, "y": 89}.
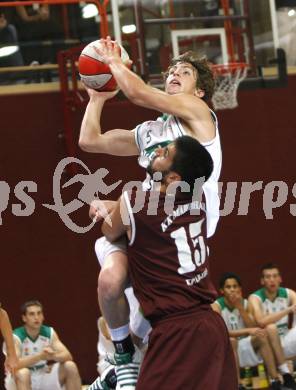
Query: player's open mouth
{"x": 175, "y": 82}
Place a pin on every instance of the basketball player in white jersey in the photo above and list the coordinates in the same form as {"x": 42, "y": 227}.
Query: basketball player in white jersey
{"x": 44, "y": 361}
{"x": 272, "y": 304}
{"x": 251, "y": 344}
{"x": 189, "y": 84}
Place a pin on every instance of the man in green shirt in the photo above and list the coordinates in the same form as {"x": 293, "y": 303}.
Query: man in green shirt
{"x": 44, "y": 361}
{"x": 271, "y": 306}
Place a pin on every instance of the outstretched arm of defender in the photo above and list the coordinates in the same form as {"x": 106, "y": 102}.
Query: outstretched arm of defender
{"x": 118, "y": 142}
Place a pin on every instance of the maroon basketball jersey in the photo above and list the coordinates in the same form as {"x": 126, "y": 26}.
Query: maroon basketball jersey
{"x": 168, "y": 254}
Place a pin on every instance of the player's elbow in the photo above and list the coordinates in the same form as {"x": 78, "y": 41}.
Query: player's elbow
{"x": 84, "y": 144}
{"x": 91, "y": 145}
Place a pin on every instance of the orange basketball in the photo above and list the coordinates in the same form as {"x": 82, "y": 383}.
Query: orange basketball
{"x": 94, "y": 72}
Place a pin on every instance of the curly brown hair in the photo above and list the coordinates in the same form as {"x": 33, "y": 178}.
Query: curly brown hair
{"x": 205, "y": 78}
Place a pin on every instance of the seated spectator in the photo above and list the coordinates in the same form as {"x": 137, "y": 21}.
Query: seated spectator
{"x": 11, "y": 360}
{"x": 251, "y": 344}
{"x": 9, "y": 37}
{"x": 37, "y": 23}
{"x": 272, "y": 304}
{"x": 44, "y": 361}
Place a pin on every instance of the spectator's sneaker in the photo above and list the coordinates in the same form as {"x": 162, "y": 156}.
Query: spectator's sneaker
{"x": 276, "y": 385}
{"x": 98, "y": 385}
{"x": 289, "y": 381}
{"x": 127, "y": 369}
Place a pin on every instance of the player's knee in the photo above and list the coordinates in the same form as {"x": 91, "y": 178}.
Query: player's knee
{"x": 70, "y": 368}
{"x": 271, "y": 330}
{"x": 23, "y": 376}
{"x": 261, "y": 341}
{"x": 110, "y": 284}
{"x": 68, "y": 371}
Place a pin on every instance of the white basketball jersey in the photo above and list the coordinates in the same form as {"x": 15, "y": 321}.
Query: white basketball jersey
{"x": 30, "y": 347}
{"x": 152, "y": 134}
{"x": 231, "y": 316}
{"x": 281, "y": 302}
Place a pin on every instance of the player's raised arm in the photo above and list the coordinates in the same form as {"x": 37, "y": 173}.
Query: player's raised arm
{"x": 182, "y": 97}
{"x": 118, "y": 142}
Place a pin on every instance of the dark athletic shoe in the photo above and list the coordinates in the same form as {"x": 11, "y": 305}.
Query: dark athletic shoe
{"x": 289, "y": 381}
{"x": 276, "y": 385}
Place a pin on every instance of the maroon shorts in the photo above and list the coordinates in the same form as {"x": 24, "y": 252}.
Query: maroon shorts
{"x": 189, "y": 352}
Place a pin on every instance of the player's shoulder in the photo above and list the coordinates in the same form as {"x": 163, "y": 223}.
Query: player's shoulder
{"x": 283, "y": 292}
{"x": 259, "y": 294}
{"x": 46, "y": 331}
{"x": 220, "y": 302}
{"x": 20, "y": 333}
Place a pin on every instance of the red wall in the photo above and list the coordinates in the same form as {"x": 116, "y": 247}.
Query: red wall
{"x": 43, "y": 259}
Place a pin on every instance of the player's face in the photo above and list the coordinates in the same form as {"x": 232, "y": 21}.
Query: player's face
{"x": 271, "y": 279}
{"x": 34, "y": 317}
{"x": 163, "y": 159}
{"x": 181, "y": 78}
{"x": 231, "y": 288}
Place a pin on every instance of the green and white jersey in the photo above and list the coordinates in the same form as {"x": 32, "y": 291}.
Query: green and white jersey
{"x": 159, "y": 133}
{"x": 281, "y": 302}
{"x": 231, "y": 316}
{"x": 29, "y": 346}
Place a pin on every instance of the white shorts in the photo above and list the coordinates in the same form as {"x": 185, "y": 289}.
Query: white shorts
{"x": 289, "y": 343}
{"x": 246, "y": 353}
{"x": 41, "y": 379}
{"x": 139, "y": 325}
{"x": 104, "y": 248}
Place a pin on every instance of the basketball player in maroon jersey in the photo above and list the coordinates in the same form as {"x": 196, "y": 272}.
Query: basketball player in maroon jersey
{"x": 189, "y": 346}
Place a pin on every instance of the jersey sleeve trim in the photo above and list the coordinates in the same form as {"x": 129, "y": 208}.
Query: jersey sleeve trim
{"x": 131, "y": 216}
{"x": 137, "y": 137}
{"x": 215, "y": 120}
{"x": 220, "y": 302}
{"x": 180, "y": 127}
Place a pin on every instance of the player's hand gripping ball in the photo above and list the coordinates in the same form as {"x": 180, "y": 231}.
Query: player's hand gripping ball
{"x": 94, "y": 72}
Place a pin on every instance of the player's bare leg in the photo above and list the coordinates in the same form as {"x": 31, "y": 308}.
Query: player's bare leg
{"x": 69, "y": 376}
{"x": 114, "y": 306}
{"x": 275, "y": 343}
{"x": 277, "y": 349}
{"x": 234, "y": 345}
{"x": 23, "y": 379}
{"x": 111, "y": 285}
{"x": 262, "y": 344}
